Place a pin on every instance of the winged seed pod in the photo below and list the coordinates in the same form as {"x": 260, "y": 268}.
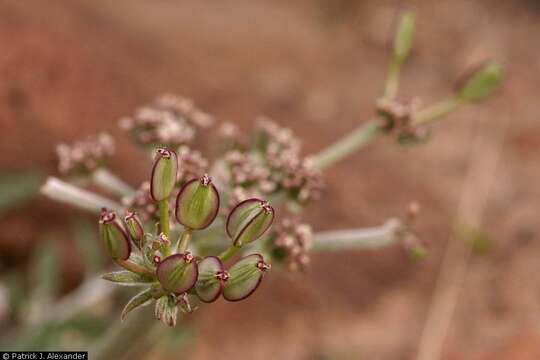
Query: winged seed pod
{"x": 245, "y": 277}
{"x": 249, "y": 220}
{"x": 114, "y": 236}
{"x": 177, "y": 273}
{"x": 479, "y": 82}
{"x": 197, "y": 203}
{"x": 163, "y": 174}
{"x": 134, "y": 228}
{"x": 212, "y": 277}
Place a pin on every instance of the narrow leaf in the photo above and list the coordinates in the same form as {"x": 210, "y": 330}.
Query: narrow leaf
{"x": 141, "y": 299}
{"x": 16, "y": 189}
{"x": 127, "y": 278}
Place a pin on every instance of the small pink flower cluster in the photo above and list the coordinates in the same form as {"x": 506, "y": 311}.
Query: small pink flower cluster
{"x": 84, "y": 156}
{"x": 291, "y": 242}
{"x": 191, "y": 164}
{"x": 275, "y": 166}
{"x": 141, "y": 203}
{"x": 168, "y": 121}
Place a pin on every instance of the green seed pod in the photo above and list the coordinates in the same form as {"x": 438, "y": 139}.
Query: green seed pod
{"x": 404, "y": 36}
{"x": 134, "y": 228}
{"x": 249, "y": 220}
{"x": 212, "y": 277}
{"x": 245, "y": 277}
{"x": 115, "y": 237}
{"x": 479, "y": 82}
{"x": 197, "y": 203}
{"x": 178, "y": 273}
{"x": 163, "y": 174}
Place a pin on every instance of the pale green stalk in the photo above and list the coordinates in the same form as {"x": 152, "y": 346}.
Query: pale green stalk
{"x": 183, "y": 241}
{"x": 64, "y": 192}
{"x": 108, "y": 181}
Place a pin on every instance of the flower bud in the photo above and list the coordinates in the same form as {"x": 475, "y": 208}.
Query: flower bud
{"x": 245, "y": 277}
{"x": 166, "y": 310}
{"x": 134, "y": 228}
{"x": 249, "y": 220}
{"x": 197, "y": 203}
{"x": 163, "y": 174}
{"x": 212, "y": 276}
{"x": 115, "y": 237}
{"x": 177, "y": 273}
{"x": 479, "y": 82}
{"x": 404, "y": 36}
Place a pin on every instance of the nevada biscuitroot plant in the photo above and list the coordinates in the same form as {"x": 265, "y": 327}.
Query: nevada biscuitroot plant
{"x": 196, "y": 231}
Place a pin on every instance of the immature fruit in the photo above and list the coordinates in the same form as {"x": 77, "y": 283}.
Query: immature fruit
{"x": 480, "y": 82}
{"x": 197, "y": 203}
{"x": 134, "y": 228}
{"x": 163, "y": 174}
{"x": 177, "y": 273}
{"x": 249, "y": 220}
{"x": 212, "y": 277}
{"x": 114, "y": 236}
{"x": 404, "y": 36}
{"x": 245, "y": 277}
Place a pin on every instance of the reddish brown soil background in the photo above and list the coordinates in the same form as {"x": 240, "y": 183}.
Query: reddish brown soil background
{"x": 71, "y": 68}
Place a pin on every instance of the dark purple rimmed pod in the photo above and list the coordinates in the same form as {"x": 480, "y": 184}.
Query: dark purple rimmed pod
{"x": 134, "y": 228}
{"x": 177, "y": 273}
{"x": 114, "y": 236}
{"x": 249, "y": 220}
{"x": 245, "y": 277}
{"x": 197, "y": 203}
{"x": 212, "y": 277}
{"x": 162, "y": 183}
{"x": 163, "y": 176}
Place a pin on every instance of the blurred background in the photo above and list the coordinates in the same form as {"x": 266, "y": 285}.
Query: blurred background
{"x": 70, "y": 69}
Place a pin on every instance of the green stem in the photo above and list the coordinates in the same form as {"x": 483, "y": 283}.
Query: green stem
{"x": 164, "y": 216}
{"x": 436, "y": 111}
{"x": 164, "y": 223}
{"x": 133, "y": 267}
{"x": 392, "y": 79}
{"x": 228, "y": 253}
{"x": 183, "y": 241}
{"x": 348, "y": 144}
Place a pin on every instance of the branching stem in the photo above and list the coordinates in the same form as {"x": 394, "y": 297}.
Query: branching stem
{"x": 436, "y": 111}
{"x": 348, "y": 144}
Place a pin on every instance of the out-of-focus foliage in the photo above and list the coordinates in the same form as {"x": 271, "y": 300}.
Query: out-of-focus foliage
{"x": 16, "y": 189}
{"x": 88, "y": 247}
